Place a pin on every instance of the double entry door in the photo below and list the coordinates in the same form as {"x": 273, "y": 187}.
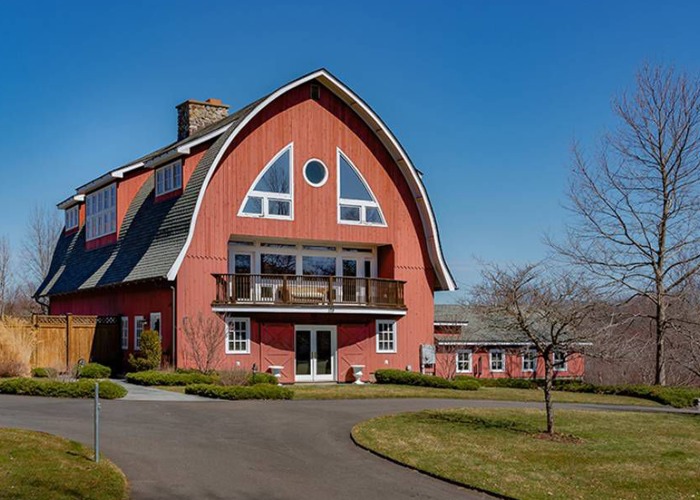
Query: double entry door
{"x": 315, "y": 353}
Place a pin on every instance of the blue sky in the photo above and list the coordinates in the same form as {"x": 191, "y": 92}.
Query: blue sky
{"x": 486, "y": 97}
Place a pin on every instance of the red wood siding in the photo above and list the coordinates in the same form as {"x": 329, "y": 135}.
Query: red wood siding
{"x": 316, "y": 128}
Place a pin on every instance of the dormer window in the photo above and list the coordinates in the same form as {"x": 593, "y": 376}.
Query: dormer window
{"x": 72, "y": 217}
{"x": 169, "y": 178}
{"x": 101, "y": 213}
{"x": 271, "y": 193}
{"x": 356, "y": 202}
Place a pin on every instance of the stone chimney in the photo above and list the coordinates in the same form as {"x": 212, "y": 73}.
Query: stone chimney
{"x": 195, "y": 115}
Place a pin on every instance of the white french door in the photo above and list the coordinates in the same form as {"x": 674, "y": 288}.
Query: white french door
{"x": 315, "y": 353}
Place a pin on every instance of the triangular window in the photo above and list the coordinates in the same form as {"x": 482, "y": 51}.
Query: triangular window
{"x": 356, "y": 202}
{"x": 271, "y": 192}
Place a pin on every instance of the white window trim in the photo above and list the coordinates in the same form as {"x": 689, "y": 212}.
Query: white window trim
{"x": 463, "y": 351}
{"x": 137, "y": 338}
{"x": 72, "y": 217}
{"x": 325, "y": 179}
{"x": 525, "y": 358}
{"x": 164, "y": 171}
{"x": 503, "y": 354}
{"x": 394, "y": 339}
{"x": 267, "y": 197}
{"x": 229, "y": 321}
{"x": 92, "y": 219}
{"x": 560, "y": 367}
{"x": 151, "y": 321}
{"x": 124, "y": 332}
{"x": 361, "y": 204}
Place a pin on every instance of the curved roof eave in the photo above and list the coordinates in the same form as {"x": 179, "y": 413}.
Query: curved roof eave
{"x": 387, "y": 138}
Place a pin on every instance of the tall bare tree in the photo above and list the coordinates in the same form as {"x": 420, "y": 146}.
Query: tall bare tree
{"x": 637, "y": 204}
{"x": 39, "y": 243}
{"x": 204, "y": 336}
{"x": 5, "y": 275}
{"x": 553, "y": 309}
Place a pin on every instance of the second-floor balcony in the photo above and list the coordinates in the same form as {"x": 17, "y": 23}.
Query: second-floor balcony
{"x": 307, "y": 293}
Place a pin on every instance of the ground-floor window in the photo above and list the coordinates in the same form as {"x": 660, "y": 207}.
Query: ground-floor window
{"x": 125, "y": 332}
{"x": 155, "y": 324}
{"x": 530, "y": 360}
{"x": 139, "y": 323}
{"x": 497, "y": 360}
{"x": 464, "y": 362}
{"x": 386, "y": 336}
{"x": 238, "y": 336}
{"x": 559, "y": 361}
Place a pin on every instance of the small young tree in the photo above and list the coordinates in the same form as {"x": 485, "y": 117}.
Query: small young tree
{"x": 149, "y": 358}
{"x": 553, "y": 309}
{"x": 205, "y": 337}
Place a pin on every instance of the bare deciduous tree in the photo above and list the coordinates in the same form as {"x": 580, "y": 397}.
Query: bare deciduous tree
{"x": 39, "y": 243}
{"x": 636, "y": 205}
{"x": 553, "y": 309}
{"x": 204, "y": 336}
{"x": 5, "y": 275}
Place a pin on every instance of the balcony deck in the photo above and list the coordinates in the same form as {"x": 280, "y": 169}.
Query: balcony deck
{"x": 272, "y": 293}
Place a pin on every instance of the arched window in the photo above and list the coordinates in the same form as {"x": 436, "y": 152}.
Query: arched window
{"x": 356, "y": 202}
{"x": 271, "y": 192}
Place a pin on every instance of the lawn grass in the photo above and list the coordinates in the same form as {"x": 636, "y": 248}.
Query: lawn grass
{"x": 614, "y": 455}
{"x": 36, "y": 465}
{"x": 371, "y": 391}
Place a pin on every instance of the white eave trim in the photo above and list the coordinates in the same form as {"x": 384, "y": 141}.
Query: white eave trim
{"x": 107, "y": 178}
{"x": 72, "y": 201}
{"x": 451, "y": 323}
{"x": 187, "y": 147}
{"x": 308, "y": 309}
{"x": 383, "y": 134}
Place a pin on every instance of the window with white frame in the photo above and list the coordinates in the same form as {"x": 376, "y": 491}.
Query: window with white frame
{"x": 125, "y": 332}
{"x": 559, "y": 359}
{"x": 72, "y": 217}
{"x": 464, "y": 362}
{"x": 386, "y": 336}
{"x": 139, "y": 323}
{"x": 497, "y": 360}
{"x": 271, "y": 192}
{"x": 101, "y": 212}
{"x": 529, "y": 360}
{"x": 169, "y": 178}
{"x": 154, "y": 324}
{"x": 356, "y": 202}
{"x": 238, "y": 336}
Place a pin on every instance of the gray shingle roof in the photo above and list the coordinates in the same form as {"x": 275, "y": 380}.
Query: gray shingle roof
{"x": 150, "y": 237}
{"x": 467, "y": 327}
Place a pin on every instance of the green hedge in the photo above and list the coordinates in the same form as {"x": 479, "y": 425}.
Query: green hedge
{"x": 235, "y": 392}
{"x": 401, "y": 377}
{"x": 41, "y": 372}
{"x": 262, "y": 378}
{"x": 153, "y": 377}
{"x": 58, "y": 389}
{"x": 678, "y": 397}
{"x": 95, "y": 370}
{"x": 513, "y": 383}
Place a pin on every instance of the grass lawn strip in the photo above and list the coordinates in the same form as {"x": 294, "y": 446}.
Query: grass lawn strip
{"x": 36, "y": 465}
{"x": 615, "y": 455}
{"x": 370, "y": 391}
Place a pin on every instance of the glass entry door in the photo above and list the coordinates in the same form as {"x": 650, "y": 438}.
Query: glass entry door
{"x": 315, "y": 351}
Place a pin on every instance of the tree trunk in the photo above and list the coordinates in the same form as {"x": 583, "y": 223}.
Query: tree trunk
{"x": 548, "y": 376}
{"x": 660, "y": 372}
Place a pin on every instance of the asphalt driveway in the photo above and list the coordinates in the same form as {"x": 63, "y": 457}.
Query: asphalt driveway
{"x": 242, "y": 449}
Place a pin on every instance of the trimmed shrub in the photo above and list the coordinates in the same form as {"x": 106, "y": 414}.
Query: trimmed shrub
{"x": 94, "y": 370}
{"x": 401, "y": 377}
{"x": 258, "y": 391}
{"x": 150, "y": 355}
{"x": 678, "y": 397}
{"x": 58, "y": 389}
{"x": 262, "y": 378}
{"x": 41, "y": 372}
{"x": 513, "y": 383}
{"x": 466, "y": 384}
{"x": 153, "y": 377}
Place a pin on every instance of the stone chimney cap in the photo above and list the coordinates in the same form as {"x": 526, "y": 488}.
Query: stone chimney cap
{"x": 209, "y": 102}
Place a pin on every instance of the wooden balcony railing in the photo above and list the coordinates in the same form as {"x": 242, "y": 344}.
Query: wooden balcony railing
{"x": 331, "y": 291}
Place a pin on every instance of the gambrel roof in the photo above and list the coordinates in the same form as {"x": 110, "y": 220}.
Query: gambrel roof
{"x": 154, "y": 237}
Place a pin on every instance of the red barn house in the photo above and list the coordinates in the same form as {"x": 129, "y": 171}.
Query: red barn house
{"x": 299, "y": 221}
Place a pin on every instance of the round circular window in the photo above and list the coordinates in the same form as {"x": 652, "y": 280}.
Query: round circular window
{"x": 315, "y": 173}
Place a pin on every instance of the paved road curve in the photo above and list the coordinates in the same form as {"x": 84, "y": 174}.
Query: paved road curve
{"x": 244, "y": 449}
